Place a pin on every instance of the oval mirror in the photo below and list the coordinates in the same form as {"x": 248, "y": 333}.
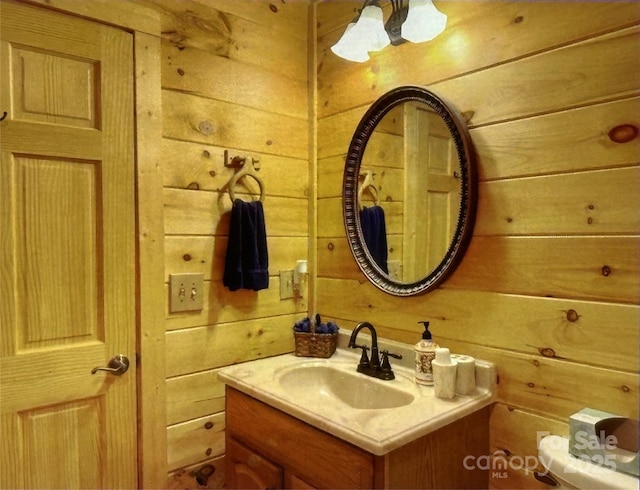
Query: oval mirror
{"x": 409, "y": 191}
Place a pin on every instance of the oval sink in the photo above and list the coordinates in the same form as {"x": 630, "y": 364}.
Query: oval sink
{"x": 356, "y": 390}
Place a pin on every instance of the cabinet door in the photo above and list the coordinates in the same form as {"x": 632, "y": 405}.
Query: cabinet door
{"x": 316, "y": 458}
{"x": 294, "y": 482}
{"x": 247, "y": 469}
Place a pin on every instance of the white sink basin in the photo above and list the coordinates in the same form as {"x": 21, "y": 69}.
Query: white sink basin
{"x": 327, "y": 382}
{"x": 375, "y": 415}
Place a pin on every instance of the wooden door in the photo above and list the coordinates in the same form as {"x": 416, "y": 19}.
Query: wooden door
{"x": 67, "y": 252}
{"x": 434, "y": 189}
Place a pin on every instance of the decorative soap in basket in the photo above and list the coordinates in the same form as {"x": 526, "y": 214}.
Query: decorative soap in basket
{"x": 315, "y": 339}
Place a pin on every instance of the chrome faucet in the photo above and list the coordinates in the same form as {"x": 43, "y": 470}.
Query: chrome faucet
{"x": 372, "y": 367}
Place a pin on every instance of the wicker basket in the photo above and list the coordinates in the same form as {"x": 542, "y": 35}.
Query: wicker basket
{"x": 315, "y": 344}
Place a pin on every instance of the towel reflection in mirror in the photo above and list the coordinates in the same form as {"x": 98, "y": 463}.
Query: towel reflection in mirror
{"x": 372, "y": 221}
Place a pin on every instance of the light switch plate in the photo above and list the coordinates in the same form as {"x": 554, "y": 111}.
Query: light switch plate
{"x": 286, "y": 284}
{"x": 186, "y": 292}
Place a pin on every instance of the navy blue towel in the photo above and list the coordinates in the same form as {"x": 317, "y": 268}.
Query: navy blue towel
{"x": 246, "y": 264}
{"x": 374, "y": 230}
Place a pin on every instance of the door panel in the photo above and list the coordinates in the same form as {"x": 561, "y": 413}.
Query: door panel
{"x": 51, "y": 87}
{"x": 67, "y": 252}
{"x": 58, "y": 253}
{"x": 72, "y": 460}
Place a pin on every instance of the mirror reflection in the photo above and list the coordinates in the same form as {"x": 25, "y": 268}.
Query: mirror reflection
{"x": 409, "y": 191}
{"x": 410, "y": 170}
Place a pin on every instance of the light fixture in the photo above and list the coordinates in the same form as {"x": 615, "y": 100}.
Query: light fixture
{"x": 414, "y": 20}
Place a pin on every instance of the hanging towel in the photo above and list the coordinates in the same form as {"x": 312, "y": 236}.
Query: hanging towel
{"x": 247, "y": 261}
{"x": 374, "y": 230}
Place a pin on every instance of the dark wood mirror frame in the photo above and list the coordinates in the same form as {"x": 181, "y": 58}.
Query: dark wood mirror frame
{"x": 468, "y": 192}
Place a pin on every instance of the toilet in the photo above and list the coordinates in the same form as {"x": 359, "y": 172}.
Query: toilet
{"x": 571, "y": 472}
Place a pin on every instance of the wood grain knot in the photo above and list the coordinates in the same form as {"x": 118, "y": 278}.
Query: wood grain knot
{"x": 547, "y": 352}
{"x": 623, "y": 133}
{"x": 194, "y": 186}
{"x": 206, "y": 127}
{"x": 330, "y": 246}
{"x": 209, "y": 425}
{"x": 206, "y": 154}
{"x": 606, "y": 270}
{"x": 180, "y": 72}
{"x": 186, "y": 257}
{"x": 518, "y": 19}
{"x": 273, "y": 8}
{"x": 625, "y": 388}
{"x": 572, "y": 315}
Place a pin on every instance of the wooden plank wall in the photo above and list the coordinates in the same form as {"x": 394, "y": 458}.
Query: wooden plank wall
{"x": 234, "y": 77}
{"x": 549, "y": 287}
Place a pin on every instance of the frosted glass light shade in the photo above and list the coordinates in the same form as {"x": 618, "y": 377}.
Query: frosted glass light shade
{"x": 349, "y": 48}
{"x": 373, "y": 28}
{"x": 367, "y": 34}
{"x": 424, "y": 22}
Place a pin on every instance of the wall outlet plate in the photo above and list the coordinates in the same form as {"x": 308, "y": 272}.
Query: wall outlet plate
{"x": 186, "y": 292}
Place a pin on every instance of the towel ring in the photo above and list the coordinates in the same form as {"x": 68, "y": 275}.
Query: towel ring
{"x": 368, "y": 185}
{"x": 237, "y": 177}
{"x": 245, "y": 171}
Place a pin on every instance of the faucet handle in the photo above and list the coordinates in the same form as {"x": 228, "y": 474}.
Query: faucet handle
{"x": 386, "y": 366}
{"x": 364, "y": 359}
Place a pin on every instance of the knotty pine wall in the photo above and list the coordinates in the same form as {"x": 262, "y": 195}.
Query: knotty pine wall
{"x": 234, "y": 76}
{"x": 549, "y": 287}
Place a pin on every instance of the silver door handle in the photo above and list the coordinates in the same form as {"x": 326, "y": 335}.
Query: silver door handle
{"x": 117, "y": 366}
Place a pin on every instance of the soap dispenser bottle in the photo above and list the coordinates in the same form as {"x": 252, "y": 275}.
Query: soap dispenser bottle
{"x": 425, "y": 354}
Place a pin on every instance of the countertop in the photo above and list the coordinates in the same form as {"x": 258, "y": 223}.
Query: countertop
{"x": 378, "y": 431}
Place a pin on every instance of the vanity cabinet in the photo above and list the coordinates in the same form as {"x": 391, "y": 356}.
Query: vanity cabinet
{"x": 267, "y": 448}
{"x": 249, "y": 469}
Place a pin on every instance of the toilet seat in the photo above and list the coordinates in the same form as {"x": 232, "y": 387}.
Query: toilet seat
{"x": 553, "y": 453}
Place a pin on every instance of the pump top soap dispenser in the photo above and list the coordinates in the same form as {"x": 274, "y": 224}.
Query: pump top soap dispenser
{"x": 425, "y": 353}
